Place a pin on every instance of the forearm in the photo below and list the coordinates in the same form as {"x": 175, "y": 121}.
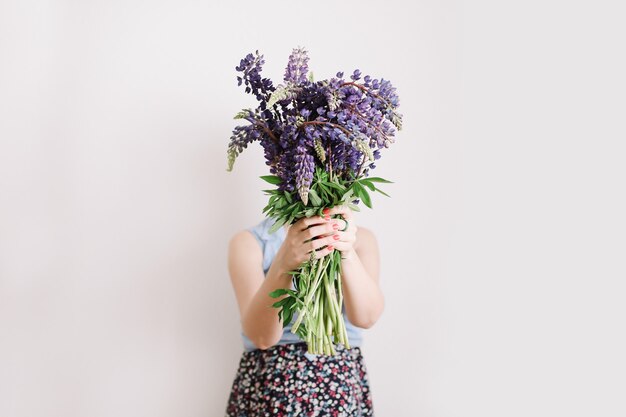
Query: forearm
{"x": 260, "y": 321}
{"x": 362, "y": 295}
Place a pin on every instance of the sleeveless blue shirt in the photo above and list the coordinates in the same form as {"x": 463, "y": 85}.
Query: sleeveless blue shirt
{"x": 270, "y": 243}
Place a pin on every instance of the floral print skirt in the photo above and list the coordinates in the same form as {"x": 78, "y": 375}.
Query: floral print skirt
{"x": 285, "y": 381}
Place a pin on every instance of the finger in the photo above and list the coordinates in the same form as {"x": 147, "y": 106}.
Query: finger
{"x": 342, "y": 246}
{"x": 341, "y": 224}
{"x": 305, "y": 222}
{"x": 337, "y": 237}
{"x": 343, "y": 237}
{"x": 318, "y": 254}
{"x": 343, "y": 210}
{"x": 317, "y": 231}
{"x": 318, "y": 243}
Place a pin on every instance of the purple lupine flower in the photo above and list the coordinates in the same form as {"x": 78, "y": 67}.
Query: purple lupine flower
{"x": 297, "y": 67}
{"x": 251, "y": 67}
{"x": 305, "y": 166}
{"x": 239, "y": 140}
{"x": 356, "y": 75}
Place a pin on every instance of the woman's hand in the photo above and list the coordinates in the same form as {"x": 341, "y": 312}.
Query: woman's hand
{"x": 309, "y": 234}
{"x": 347, "y": 237}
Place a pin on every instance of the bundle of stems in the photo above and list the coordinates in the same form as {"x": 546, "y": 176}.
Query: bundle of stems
{"x": 321, "y": 308}
{"x": 317, "y": 297}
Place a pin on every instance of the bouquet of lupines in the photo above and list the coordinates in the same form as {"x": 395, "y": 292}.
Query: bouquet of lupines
{"x": 321, "y": 139}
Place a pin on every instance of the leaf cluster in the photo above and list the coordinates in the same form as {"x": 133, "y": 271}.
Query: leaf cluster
{"x": 288, "y": 305}
{"x": 324, "y": 192}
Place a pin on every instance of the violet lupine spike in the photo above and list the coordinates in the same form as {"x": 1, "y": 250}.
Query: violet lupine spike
{"x": 251, "y": 67}
{"x": 305, "y": 166}
{"x": 297, "y": 67}
{"x": 241, "y": 137}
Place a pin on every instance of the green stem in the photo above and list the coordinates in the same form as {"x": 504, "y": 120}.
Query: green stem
{"x": 318, "y": 267}
{"x": 344, "y": 332}
{"x": 331, "y": 313}
{"x": 332, "y": 300}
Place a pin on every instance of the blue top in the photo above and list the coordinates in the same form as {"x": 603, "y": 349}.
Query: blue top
{"x": 270, "y": 243}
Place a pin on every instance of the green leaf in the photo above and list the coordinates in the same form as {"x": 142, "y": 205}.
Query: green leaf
{"x": 366, "y": 198}
{"x": 368, "y": 184}
{"x": 315, "y": 198}
{"x": 289, "y": 304}
{"x": 288, "y": 197}
{"x": 353, "y": 206}
{"x": 278, "y": 292}
{"x": 272, "y": 179}
{"x": 280, "y": 203}
{"x": 287, "y": 318}
{"x": 357, "y": 189}
{"x": 277, "y": 225}
{"x": 324, "y": 188}
{"x": 378, "y": 179}
{"x": 335, "y": 186}
{"x": 362, "y": 193}
{"x": 382, "y": 192}
{"x": 346, "y": 196}
{"x": 280, "y": 303}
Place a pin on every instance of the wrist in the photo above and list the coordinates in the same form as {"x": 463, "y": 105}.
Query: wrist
{"x": 349, "y": 255}
{"x": 278, "y": 269}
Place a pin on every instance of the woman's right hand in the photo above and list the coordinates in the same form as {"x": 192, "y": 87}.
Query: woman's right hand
{"x": 315, "y": 233}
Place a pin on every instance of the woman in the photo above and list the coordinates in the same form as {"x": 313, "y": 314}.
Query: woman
{"x": 276, "y": 374}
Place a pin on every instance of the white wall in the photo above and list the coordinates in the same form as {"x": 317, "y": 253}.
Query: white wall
{"x": 502, "y": 245}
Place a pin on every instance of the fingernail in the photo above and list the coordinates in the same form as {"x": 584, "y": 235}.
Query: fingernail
{"x": 330, "y": 247}
{"x": 335, "y": 226}
{"x": 336, "y": 237}
{"x": 326, "y": 210}
{"x": 327, "y": 217}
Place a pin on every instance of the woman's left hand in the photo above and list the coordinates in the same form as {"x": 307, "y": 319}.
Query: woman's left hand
{"x": 346, "y": 238}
